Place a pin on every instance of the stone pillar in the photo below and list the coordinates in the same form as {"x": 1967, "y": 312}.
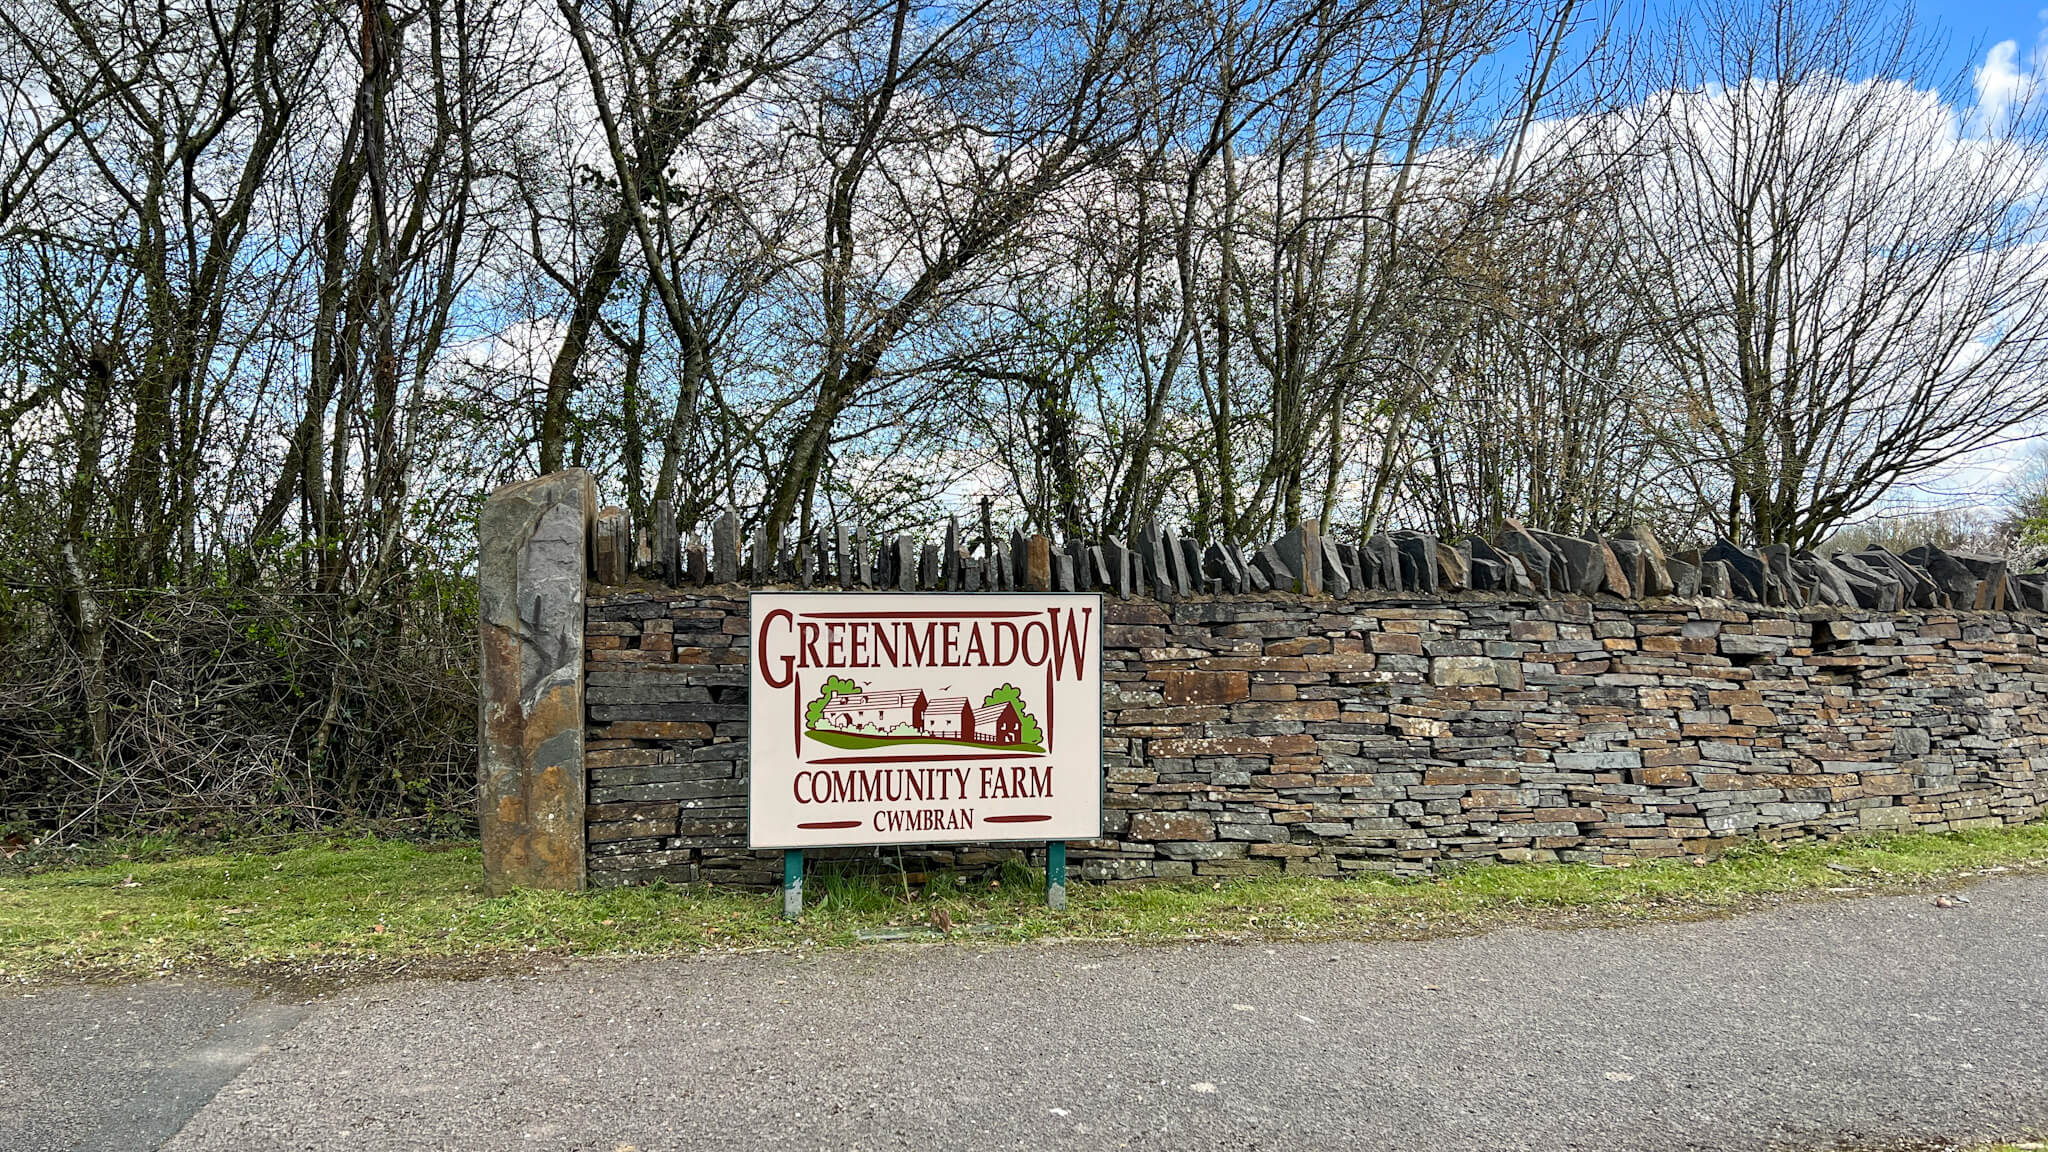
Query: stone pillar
{"x": 533, "y": 553}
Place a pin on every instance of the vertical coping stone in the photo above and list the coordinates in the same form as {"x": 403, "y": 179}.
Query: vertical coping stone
{"x": 1302, "y": 549}
{"x": 696, "y": 564}
{"x": 611, "y": 545}
{"x": 905, "y": 567}
{"x": 1038, "y": 564}
{"x": 725, "y": 548}
{"x": 1118, "y": 558}
{"x": 533, "y": 553}
{"x": 668, "y": 554}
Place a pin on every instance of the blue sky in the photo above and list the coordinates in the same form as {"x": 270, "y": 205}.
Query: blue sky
{"x": 1973, "y": 26}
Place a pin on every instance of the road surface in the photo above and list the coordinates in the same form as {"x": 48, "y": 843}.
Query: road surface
{"x": 1816, "y": 1024}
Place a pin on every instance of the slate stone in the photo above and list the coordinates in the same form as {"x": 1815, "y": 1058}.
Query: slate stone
{"x": 725, "y": 548}
{"x": 1954, "y": 580}
{"x": 1995, "y": 578}
{"x": 1188, "y": 569}
{"x": 1629, "y": 555}
{"x": 760, "y": 562}
{"x": 1084, "y": 572}
{"x": 1118, "y": 558}
{"x": 611, "y": 545}
{"x": 533, "y": 539}
{"x": 1917, "y": 588}
{"x": 1515, "y": 540}
{"x": 1062, "y": 572}
{"x": 1157, "y": 568}
{"x": 1006, "y": 569}
{"x": 1302, "y": 549}
{"x": 1778, "y": 563}
{"x": 2032, "y": 589}
{"x": 1716, "y": 580}
{"x": 1685, "y": 579}
{"x": 1830, "y": 585}
{"x": 928, "y": 568}
{"x": 904, "y": 565}
{"x": 1657, "y": 579}
{"x": 1417, "y": 560}
{"x": 1613, "y": 578}
{"x": 1492, "y": 577}
{"x": 1745, "y": 569}
{"x": 668, "y": 545}
{"x": 1278, "y": 576}
{"x": 1518, "y": 580}
{"x": 1385, "y": 560}
{"x": 1098, "y": 569}
{"x": 1336, "y": 581}
{"x": 1256, "y": 580}
{"x": 1584, "y": 567}
{"x": 1873, "y": 586}
{"x": 1219, "y": 564}
{"x": 696, "y": 565}
{"x": 1354, "y": 571}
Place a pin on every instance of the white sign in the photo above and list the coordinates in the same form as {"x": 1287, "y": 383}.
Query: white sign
{"x": 924, "y": 718}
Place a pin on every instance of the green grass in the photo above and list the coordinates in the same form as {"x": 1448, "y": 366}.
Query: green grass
{"x": 322, "y": 908}
{"x": 862, "y": 740}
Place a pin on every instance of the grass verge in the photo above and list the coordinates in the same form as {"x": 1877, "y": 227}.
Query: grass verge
{"x": 322, "y": 909}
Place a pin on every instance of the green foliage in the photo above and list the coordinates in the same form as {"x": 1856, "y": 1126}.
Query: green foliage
{"x": 834, "y": 686}
{"x": 1027, "y": 732}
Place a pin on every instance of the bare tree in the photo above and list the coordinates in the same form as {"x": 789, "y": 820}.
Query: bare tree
{"x": 1847, "y": 284}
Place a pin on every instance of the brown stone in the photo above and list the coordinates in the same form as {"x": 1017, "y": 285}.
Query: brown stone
{"x": 1038, "y": 564}
{"x": 1612, "y": 578}
{"x": 1296, "y": 744}
{"x": 1396, "y": 643}
{"x": 1297, "y": 646}
{"x": 1191, "y": 687}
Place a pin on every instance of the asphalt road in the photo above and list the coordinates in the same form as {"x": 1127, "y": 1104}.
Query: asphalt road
{"x": 1857, "y": 1022}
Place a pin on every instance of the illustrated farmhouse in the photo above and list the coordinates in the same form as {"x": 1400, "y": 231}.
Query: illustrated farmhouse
{"x": 946, "y": 718}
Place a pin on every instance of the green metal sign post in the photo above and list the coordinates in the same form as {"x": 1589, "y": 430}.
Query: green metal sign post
{"x": 792, "y": 883}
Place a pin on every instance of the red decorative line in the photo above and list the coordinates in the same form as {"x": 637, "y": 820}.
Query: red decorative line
{"x": 1010, "y": 819}
{"x": 834, "y": 824}
{"x": 870, "y": 615}
{"x": 924, "y": 759}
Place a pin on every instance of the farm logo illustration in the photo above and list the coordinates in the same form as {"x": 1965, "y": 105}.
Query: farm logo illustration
{"x": 883, "y": 718}
{"x": 848, "y": 716}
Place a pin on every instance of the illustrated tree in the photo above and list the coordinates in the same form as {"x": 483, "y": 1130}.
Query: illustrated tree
{"x": 834, "y": 686}
{"x": 1027, "y": 724}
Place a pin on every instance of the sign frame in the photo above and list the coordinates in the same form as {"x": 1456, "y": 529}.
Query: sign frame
{"x": 928, "y": 604}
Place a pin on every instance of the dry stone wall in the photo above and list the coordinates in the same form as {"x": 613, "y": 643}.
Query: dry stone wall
{"x": 1282, "y": 733}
